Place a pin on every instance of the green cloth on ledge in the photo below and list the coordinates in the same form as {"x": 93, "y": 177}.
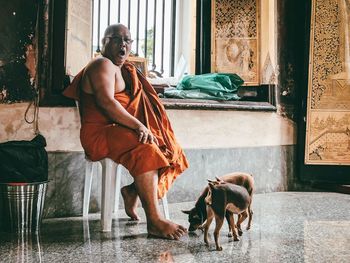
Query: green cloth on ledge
{"x": 211, "y": 86}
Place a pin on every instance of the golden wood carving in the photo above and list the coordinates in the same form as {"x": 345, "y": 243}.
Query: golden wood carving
{"x": 235, "y": 41}
{"x": 328, "y": 118}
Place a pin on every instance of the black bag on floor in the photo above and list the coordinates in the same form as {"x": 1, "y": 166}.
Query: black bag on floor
{"x": 24, "y": 161}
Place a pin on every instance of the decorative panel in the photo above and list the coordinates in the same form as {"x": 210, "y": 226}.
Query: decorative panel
{"x": 235, "y": 38}
{"x": 328, "y": 109}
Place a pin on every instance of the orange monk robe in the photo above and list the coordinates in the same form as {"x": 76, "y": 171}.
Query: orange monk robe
{"x": 101, "y": 138}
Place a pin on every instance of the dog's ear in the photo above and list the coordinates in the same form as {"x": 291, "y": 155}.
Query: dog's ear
{"x": 211, "y": 185}
{"x": 187, "y": 212}
{"x": 218, "y": 179}
{"x": 213, "y": 182}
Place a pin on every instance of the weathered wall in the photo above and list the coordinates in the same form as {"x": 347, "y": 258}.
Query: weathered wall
{"x": 17, "y": 45}
{"x": 60, "y": 126}
{"x": 79, "y": 35}
{"x": 195, "y": 129}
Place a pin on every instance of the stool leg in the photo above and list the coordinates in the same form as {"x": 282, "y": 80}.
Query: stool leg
{"x": 165, "y": 207}
{"x": 118, "y": 175}
{"x": 87, "y": 187}
{"x": 108, "y": 191}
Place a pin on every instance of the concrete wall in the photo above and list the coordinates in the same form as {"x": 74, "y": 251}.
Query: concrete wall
{"x": 215, "y": 142}
{"x": 79, "y": 35}
{"x": 195, "y": 129}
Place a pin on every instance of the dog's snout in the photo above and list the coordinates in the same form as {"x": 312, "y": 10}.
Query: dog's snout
{"x": 191, "y": 228}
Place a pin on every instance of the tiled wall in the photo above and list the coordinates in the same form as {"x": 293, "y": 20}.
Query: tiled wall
{"x": 272, "y": 167}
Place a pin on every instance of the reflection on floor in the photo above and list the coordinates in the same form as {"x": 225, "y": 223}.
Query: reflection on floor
{"x": 287, "y": 227}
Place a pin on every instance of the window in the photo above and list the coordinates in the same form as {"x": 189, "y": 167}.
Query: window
{"x": 160, "y": 32}
{"x": 162, "y": 35}
{"x": 166, "y": 32}
{"x": 52, "y": 49}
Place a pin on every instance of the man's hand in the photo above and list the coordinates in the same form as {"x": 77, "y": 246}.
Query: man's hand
{"x": 145, "y": 135}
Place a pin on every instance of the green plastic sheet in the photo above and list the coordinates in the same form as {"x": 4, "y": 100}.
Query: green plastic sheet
{"x": 211, "y": 86}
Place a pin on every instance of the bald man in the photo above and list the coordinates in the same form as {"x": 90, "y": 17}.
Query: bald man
{"x": 123, "y": 119}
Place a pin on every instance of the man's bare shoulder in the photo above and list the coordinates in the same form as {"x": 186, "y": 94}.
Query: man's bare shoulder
{"x": 98, "y": 72}
{"x": 100, "y": 65}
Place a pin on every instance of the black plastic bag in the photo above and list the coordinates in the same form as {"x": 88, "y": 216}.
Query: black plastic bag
{"x": 24, "y": 161}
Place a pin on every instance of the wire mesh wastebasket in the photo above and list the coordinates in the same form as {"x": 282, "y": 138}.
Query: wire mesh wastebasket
{"x": 21, "y": 206}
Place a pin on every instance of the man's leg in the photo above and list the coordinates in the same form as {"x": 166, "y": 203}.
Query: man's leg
{"x": 146, "y": 185}
{"x": 131, "y": 199}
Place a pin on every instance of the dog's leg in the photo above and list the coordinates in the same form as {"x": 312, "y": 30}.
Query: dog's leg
{"x": 210, "y": 216}
{"x": 228, "y": 214}
{"x": 238, "y": 218}
{"x": 219, "y": 220}
{"x": 232, "y": 222}
{"x": 201, "y": 227}
{"x": 238, "y": 225}
{"x": 241, "y": 218}
{"x": 250, "y": 212}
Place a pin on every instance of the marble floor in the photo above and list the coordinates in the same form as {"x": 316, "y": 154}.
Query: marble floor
{"x": 287, "y": 227}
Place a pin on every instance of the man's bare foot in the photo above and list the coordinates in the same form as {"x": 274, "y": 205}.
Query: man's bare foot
{"x": 166, "y": 229}
{"x": 130, "y": 201}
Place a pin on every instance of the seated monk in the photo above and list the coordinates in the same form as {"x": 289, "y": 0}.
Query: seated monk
{"x": 123, "y": 119}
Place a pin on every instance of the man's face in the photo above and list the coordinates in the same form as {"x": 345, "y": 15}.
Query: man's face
{"x": 118, "y": 45}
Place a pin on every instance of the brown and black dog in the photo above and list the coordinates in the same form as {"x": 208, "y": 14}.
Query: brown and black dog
{"x": 225, "y": 198}
{"x": 198, "y": 214}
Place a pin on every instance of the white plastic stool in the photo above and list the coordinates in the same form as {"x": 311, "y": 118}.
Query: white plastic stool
{"x": 111, "y": 177}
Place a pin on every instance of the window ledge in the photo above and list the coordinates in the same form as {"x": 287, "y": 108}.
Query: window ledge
{"x": 217, "y": 105}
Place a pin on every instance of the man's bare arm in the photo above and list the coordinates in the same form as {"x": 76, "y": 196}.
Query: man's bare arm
{"x": 102, "y": 79}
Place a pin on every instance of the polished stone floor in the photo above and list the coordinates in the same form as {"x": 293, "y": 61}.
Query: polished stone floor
{"x": 287, "y": 227}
